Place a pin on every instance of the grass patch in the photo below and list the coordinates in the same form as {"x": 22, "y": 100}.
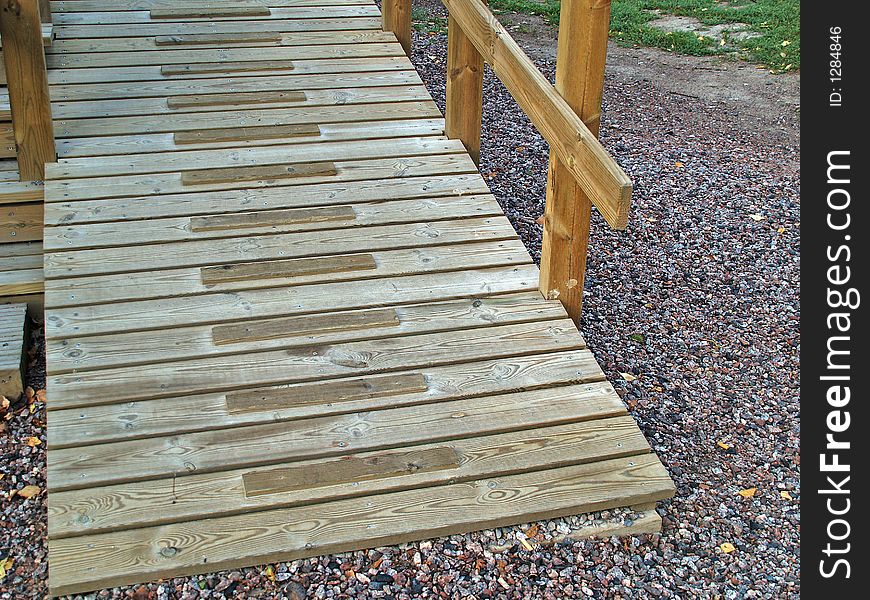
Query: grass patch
{"x": 776, "y": 23}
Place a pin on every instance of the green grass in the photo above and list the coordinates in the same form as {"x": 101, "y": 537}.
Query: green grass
{"x": 776, "y": 21}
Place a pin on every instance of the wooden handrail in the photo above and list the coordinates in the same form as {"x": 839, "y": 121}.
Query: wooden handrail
{"x": 27, "y": 80}
{"x": 581, "y": 172}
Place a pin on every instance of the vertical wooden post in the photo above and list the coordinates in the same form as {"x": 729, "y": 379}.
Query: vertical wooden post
{"x": 24, "y": 59}
{"x": 584, "y": 26}
{"x": 45, "y": 11}
{"x": 464, "y": 90}
{"x": 397, "y": 18}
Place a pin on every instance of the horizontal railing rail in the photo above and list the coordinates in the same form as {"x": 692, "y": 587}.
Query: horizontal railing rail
{"x": 567, "y": 115}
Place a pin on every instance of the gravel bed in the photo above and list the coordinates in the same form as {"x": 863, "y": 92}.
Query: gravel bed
{"x": 693, "y": 313}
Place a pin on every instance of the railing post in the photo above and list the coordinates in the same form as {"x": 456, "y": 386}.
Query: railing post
{"x": 464, "y": 90}
{"x": 45, "y": 11}
{"x": 397, "y": 18}
{"x": 24, "y": 58}
{"x": 584, "y": 26}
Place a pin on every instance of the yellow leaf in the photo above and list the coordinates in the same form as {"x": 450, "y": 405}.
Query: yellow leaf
{"x": 33, "y": 441}
{"x": 727, "y": 548}
{"x": 679, "y": 165}
{"x": 723, "y": 445}
{"x": 270, "y": 573}
{"x": 748, "y": 492}
{"x": 628, "y": 376}
{"x": 781, "y": 230}
{"x": 29, "y": 491}
{"x": 785, "y": 495}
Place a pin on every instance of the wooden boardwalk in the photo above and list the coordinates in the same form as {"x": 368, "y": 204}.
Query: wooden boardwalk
{"x": 284, "y": 314}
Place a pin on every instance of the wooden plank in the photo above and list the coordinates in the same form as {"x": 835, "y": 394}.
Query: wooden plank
{"x": 209, "y": 12}
{"x": 234, "y": 99}
{"x": 381, "y": 355}
{"x": 156, "y": 502}
{"x": 8, "y": 148}
{"x": 329, "y": 132}
{"x": 17, "y": 263}
{"x": 450, "y": 175}
{"x": 350, "y": 469}
{"x": 318, "y": 265}
{"x": 144, "y": 30}
{"x": 217, "y": 38}
{"x": 21, "y": 30}
{"x": 192, "y": 341}
{"x": 263, "y": 173}
{"x": 427, "y": 162}
{"x": 315, "y": 394}
{"x": 273, "y": 217}
{"x": 204, "y": 60}
{"x": 229, "y": 134}
{"x": 240, "y": 117}
{"x": 346, "y": 35}
{"x": 387, "y": 212}
{"x": 151, "y": 74}
{"x": 221, "y": 307}
{"x": 21, "y": 282}
{"x": 139, "y": 20}
{"x": 101, "y": 6}
{"x": 597, "y": 173}
{"x": 20, "y": 222}
{"x": 583, "y": 33}
{"x": 262, "y": 537}
{"x": 13, "y": 331}
{"x": 17, "y": 192}
{"x": 218, "y": 251}
{"x": 201, "y": 412}
{"x": 373, "y": 73}
{"x": 247, "y": 100}
{"x": 75, "y": 170}
{"x": 228, "y": 67}
{"x": 321, "y": 437}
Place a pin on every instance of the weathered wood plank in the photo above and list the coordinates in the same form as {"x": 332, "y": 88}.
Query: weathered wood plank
{"x": 20, "y": 222}
{"x": 139, "y": 18}
{"x": 209, "y": 12}
{"x": 231, "y": 99}
{"x": 279, "y": 132}
{"x": 255, "y": 445}
{"x": 126, "y": 557}
{"x": 159, "y": 502}
{"x": 217, "y": 38}
{"x": 227, "y": 67}
{"x": 299, "y": 267}
{"x": 13, "y": 330}
{"x": 272, "y": 218}
{"x": 166, "y": 416}
{"x": 261, "y": 173}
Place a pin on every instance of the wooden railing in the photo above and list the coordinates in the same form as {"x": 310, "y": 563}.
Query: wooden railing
{"x": 24, "y": 60}
{"x": 581, "y": 172}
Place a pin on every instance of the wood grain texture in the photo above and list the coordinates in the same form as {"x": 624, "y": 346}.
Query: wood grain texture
{"x": 245, "y": 133}
{"x": 315, "y": 394}
{"x": 13, "y": 330}
{"x": 209, "y": 12}
{"x": 217, "y": 38}
{"x": 130, "y": 556}
{"x": 24, "y": 60}
{"x": 264, "y": 173}
{"x": 228, "y": 67}
{"x": 272, "y": 218}
{"x": 20, "y": 222}
{"x": 464, "y": 104}
{"x": 287, "y": 268}
{"x": 397, "y": 19}
{"x": 234, "y": 99}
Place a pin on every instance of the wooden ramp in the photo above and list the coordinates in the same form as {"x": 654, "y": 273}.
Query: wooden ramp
{"x": 284, "y": 315}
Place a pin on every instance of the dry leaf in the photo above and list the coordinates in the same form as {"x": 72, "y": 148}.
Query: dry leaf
{"x": 748, "y": 492}
{"x": 628, "y": 376}
{"x": 532, "y": 531}
{"x": 781, "y": 230}
{"x": 727, "y": 548}
{"x": 679, "y": 165}
{"x": 29, "y": 491}
{"x": 33, "y": 441}
{"x": 5, "y": 567}
{"x": 723, "y": 445}
{"x": 40, "y": 395}
{"x": 541, "y": 220}
{"x": 29, "y": 393}
{"x": 785, "y": 495}
{"x": 270, "y": 573}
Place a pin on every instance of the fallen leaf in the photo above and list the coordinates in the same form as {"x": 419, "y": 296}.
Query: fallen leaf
{"x": 756, "y": 217}
{"x": 5, "y": 567}
{"x": 679, "y": 165}
{"x": 727, "y": 548}
{"x": 33, "y": 441}
{"x": 748, "y": 492}
{"x": 40, "y": 395}
{"x": 28, "y": 491}
{"x": 628, "y": 376}
{"x": 270, "y": 573}
{"x": 29, "y": 393}
{"x": 532, "y": 531}
{"x": 781, "y": 230}
{"x": 540, "y": 220}
{"x": 723, "y": 445}
{"x": 785, "y": 495}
